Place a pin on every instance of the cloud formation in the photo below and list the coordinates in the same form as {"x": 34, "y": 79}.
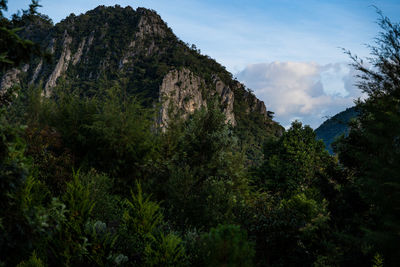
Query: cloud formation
{"x": 308, "y": 92}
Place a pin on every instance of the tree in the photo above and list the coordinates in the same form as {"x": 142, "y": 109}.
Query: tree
{"x": 225, "y": 245}
{"x": 294, "y": 162}
{"x": 109, "y": 131}
{"x": 298, "y": 217}
{"x": 371, "y": 152}
{"x": 15, "y": 167}
{"x": 15, "y": 50}
{"x": 205, "y": 176}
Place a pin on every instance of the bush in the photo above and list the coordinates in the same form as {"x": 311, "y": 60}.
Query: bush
{"x": 143, "y": 237}
{"x": 167, "y": 250}
{"x": 226, "y": 245}
{"x": 33, "y": 261}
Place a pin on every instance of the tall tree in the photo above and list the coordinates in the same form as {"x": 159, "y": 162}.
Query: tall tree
{"x": 294, "y": 162}
{"x": 205, "y": 176}
{"x": 372, "y": 150}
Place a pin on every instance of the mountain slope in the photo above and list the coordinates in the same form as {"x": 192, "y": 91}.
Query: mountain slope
{"x": 136, "y": 48}
{"x": 335, "y": 126}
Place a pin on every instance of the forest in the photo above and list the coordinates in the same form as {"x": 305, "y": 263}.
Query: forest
{"x": 91, "y": 180}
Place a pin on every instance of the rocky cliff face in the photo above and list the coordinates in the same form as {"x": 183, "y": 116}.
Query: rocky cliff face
{"x": 182, "y": 92}
{"x": 227, "y": 99}
{"x": 62, "y": 64}
{"x": 138, "y": 48}
{"x": 9, "y": 79}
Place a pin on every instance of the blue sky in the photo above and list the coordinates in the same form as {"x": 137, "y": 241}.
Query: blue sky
{"x": 287, "y": 51}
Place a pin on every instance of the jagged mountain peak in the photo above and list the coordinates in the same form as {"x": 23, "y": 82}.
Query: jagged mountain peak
{"x": 103, "y": 15}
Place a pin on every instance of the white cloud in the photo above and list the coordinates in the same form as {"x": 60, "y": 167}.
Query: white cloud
{"x": 304, "y": 91}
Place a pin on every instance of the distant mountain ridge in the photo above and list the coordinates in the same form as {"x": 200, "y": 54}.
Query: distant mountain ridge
{"x": 137, "y": 48}
{"x": 335, "y": 126}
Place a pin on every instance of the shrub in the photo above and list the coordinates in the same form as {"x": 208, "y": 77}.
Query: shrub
{"x": 226, "y": 245}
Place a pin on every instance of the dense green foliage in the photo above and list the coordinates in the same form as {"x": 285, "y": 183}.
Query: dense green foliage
{"x": 371, "y": 151}
{"x": 205, "y": 178}
{"x": 90, "y": 179}
{"x": 334, "y": 127}
{"x": 226, "y": 245}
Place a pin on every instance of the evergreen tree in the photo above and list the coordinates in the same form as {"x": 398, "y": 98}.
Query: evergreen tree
{"x": 371, "y": 152}
{"x": 293, "y": 163}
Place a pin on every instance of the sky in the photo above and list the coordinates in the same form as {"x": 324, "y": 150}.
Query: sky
{"x": 289, "y": 52}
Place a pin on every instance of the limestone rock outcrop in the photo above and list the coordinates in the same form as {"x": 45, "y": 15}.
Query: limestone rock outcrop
{"x": 182, "y": 92}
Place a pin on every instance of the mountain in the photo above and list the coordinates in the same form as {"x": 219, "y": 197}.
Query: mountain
{"x": 137, "y": 49}
{"x": 335, "y": 126}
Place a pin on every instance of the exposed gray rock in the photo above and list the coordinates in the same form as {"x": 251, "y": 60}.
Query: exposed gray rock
{"x": 52, "y": 46}
{"x": 36, "y": 72}
{"x": 79, "y": 53}
{"x": 227, "y": 99}
{"x": 9, "y": 79}
{"x": 90, "y": 42}
{"x": 180, "y": 94}
{"x": 25, "y": 68}
{"x": 150, "y": 24}
{"x": 61, "y": 66}
{"x": 128, "y": 53}
{"x": 256, "y": 105}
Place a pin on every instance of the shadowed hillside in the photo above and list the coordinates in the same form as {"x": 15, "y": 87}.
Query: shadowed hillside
{"x": 335, "y": 126}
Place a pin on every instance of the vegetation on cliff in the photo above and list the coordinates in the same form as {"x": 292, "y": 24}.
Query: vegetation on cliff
{"x": 88, "y": 177}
